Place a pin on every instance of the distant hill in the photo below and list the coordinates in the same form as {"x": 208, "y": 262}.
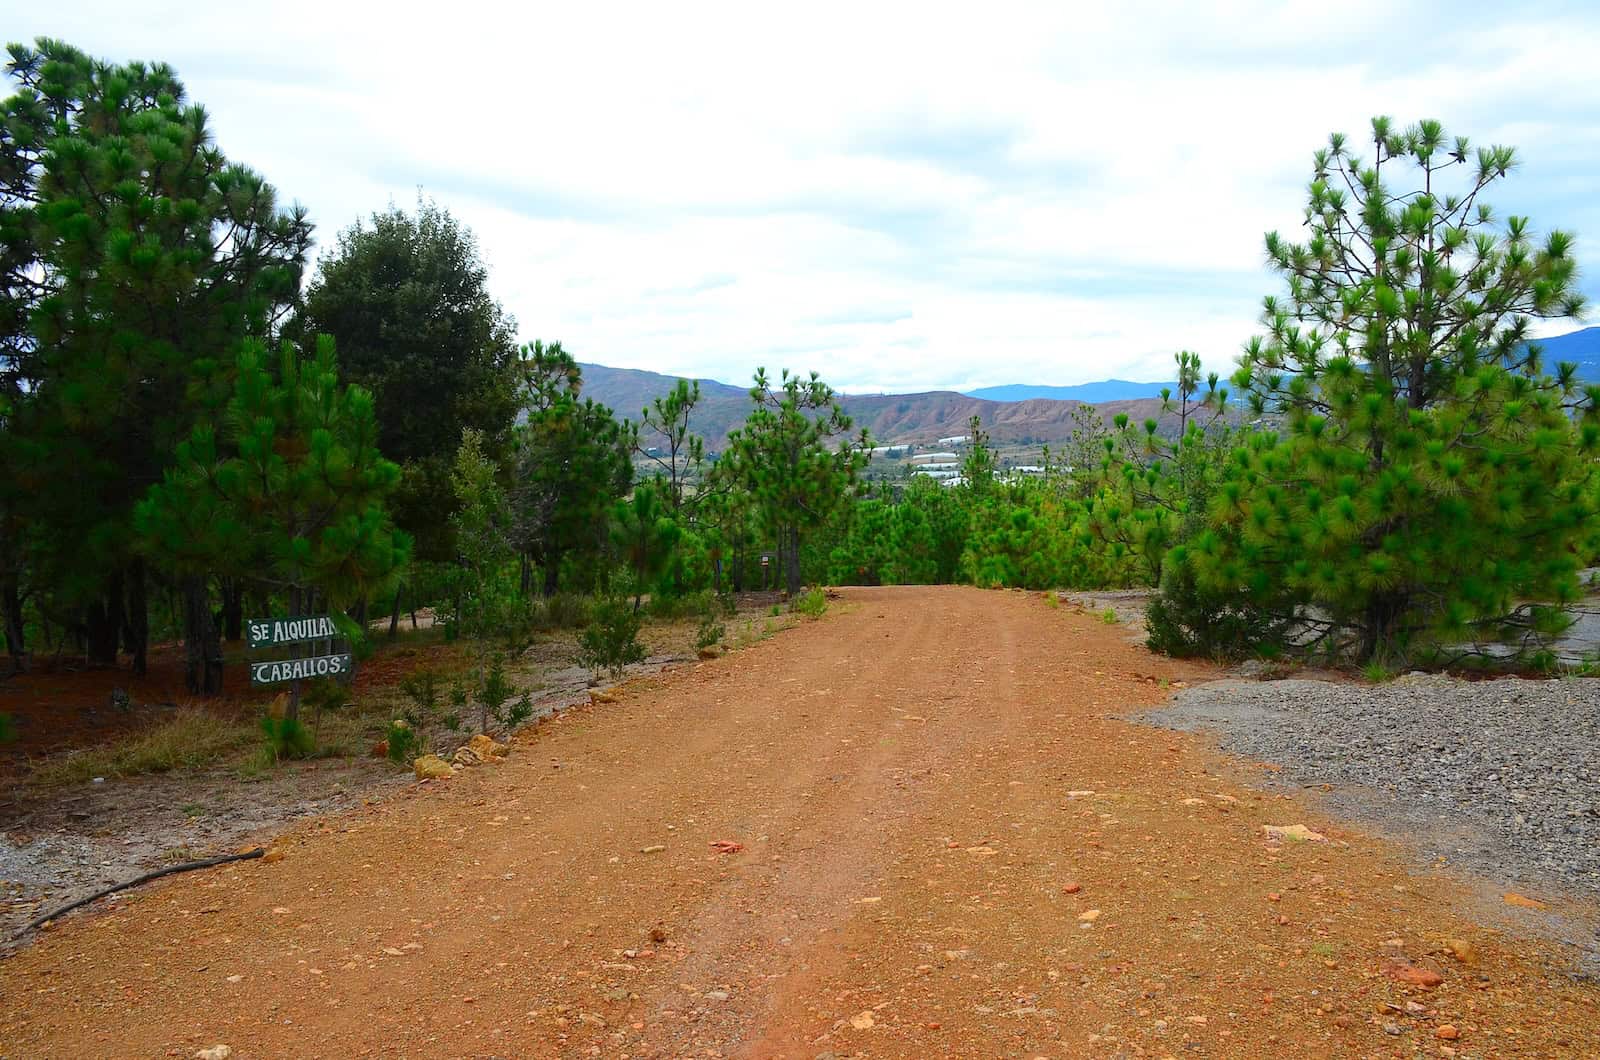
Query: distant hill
{"x": 891, "y": 418}
{"x": 1582, "y": 348}
{"x": 1105, "y": 390}
{"x": 1018, "y": 414}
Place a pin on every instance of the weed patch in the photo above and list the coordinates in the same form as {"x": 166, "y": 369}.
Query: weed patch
{"x": 190, "y": 739}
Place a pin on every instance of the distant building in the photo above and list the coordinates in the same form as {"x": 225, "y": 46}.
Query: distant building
{"x": 959, "y": 439}
{"x": 920, "y": 457}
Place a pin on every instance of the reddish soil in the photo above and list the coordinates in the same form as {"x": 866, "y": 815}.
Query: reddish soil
{"x": 63, "y": 705}
{"x": 952, "y": 845}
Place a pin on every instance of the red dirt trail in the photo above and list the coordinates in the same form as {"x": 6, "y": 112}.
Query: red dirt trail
{"x": 952, "y": 845}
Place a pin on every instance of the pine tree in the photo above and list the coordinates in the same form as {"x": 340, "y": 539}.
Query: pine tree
{"x": 570, "y": 466}
{"x": 1432, "y": 482}
{"x": 295, "y": 487}
{"x": 667, "y": 420}
{"x": 788, "y": 456}
{"x": 133, "y": 253}
{"x": 978, "y": 469}
{"x": 645, "y": 534}
{"x": 1148, "y": 492}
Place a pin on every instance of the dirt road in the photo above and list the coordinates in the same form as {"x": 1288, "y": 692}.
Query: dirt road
{"x": 952, "y": 846}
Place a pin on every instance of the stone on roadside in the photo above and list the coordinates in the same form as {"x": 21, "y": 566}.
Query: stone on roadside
{"x": 216, "y": 1052}
{"x": 1293, "y": 833}
{"x": 487, "y": 748}
{"x": 1522, "y": 901}
{"x": 432, "y": 767}
{"x": 1412, "y": 975}
{"x": 1461, "y": 950}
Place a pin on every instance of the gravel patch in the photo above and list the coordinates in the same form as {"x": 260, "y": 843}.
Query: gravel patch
{"x": 1500, "y": 778}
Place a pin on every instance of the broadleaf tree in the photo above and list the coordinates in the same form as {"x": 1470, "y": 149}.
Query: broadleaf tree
{"x": 405, "y": 297}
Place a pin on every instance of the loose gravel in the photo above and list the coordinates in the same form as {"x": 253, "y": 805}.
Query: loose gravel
{"x": 1500, "y": 778}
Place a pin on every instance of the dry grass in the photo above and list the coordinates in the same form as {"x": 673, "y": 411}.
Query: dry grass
{"x": 190, "y": 739}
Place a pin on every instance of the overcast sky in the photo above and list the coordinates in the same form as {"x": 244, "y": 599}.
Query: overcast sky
{"x": 901, "y": 198}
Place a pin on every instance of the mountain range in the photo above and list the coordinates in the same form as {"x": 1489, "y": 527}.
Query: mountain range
{"x": 1018, "y": 414}
{"x": 890, "y": 418}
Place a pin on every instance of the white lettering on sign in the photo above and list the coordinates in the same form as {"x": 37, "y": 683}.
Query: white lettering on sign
{"x": 269, "y": 631}
{"x": 267, "y": 673}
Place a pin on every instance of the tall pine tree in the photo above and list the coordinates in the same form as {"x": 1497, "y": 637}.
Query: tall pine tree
{"x": 795, "y": 457}
{"x": 295, "y": 487}
{"x": 1434, "y": 481}
{"x": 134, "y": 252}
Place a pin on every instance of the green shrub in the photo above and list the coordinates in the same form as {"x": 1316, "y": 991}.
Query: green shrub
{"x": 498, "y": 701}
{"x": 8, "y": 729}
{"x": 405, "y": 743}
{"x": 1109, "y": 616}
{"x": 611, "y": 640}
{"x": 710, "y": 632}
{"x": 1186, "y": 621}
{"x": 812, "y": 604}
{"x": 287, "y": 738}
{"x": 668, "y": 607}
{"x": 422, "y": 687}
{"x": 566, "y": 611}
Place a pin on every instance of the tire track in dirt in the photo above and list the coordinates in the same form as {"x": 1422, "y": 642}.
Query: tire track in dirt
{"x": 908, "y": 779}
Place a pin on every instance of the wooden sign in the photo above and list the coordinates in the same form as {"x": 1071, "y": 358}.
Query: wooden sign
{"x": 269, "y": 632}
{"x": 277, "y": 670}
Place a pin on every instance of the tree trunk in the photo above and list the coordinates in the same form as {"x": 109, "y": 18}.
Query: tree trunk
{"x": 103, "y": 624}
{"x": 232, "y": 609}
{"x": 552, "y": 573}
{"x": 136, "y": 621}
{"x": 15, "y": 628}
{"x": 394, "y": 614}
{"x": 524, "y": 574}
{"x": 202, "y": 647}
{"x": 1379, "y": 627}
{"x": 792, "y": 561}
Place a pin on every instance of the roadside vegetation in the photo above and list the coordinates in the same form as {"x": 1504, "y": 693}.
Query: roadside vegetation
{"x": 365, "y": 445}
{"x": 1392, "y": 476}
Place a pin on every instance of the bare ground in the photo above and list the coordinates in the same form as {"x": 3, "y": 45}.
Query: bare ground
{"x": 952, "y": 845}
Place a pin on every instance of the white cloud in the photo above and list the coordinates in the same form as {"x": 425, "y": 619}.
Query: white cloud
{"x": 900, "y": 196}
